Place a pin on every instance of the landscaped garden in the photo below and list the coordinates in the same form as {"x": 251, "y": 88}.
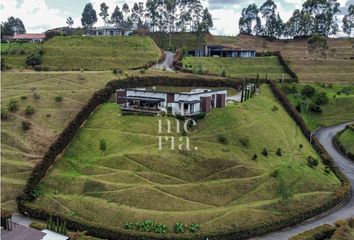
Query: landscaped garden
{"x": 322, "y": 104}
{"x": 237, "y": 67}
{"x": 249, "y": 166}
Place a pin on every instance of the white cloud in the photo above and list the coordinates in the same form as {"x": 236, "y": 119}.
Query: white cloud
{"x": 35, "y": 14}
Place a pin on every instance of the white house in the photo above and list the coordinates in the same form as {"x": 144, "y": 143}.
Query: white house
{"x": 178, "y": 103}
{"x": 109, "y": 31}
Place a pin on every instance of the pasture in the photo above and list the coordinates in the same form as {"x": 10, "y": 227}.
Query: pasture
{"x": 225, "y": 183}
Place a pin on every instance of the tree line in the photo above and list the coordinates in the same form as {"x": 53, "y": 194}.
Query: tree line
{"x": 154, "y": 15}
{"x": 315, "y": 17}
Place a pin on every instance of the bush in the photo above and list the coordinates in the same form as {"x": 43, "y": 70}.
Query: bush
{"x": 180, "y": 227}
{"x": 26, "y": 125}
{"x": 265, "y": 152}
{"x": 275, "y": 108}
{"x": 312, "y": 162}
{"x": 308, "y": 91}
{"x": 33, "y": 59}
{"x": 315, "y": 108}
{"x": 245, "y": 141}
{"x": 58, "y": 98}
{"x": 36, "y": 95}
{"x": 39, "y": 226}
{"x": 222, "y": 139}
{"x": 254, "y": 157}
{"x": 29, "y": 110}
{"x": 4, "y": 114}
{"x": 279, "y": 153}
{"x": 321, "y": 98}
{"x": 193, "y": 228}
{"x": 142, "y": 71}
{"x": 13, "y": 105}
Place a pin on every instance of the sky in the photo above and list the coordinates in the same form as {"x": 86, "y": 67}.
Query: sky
{"x": 41, "y": 15}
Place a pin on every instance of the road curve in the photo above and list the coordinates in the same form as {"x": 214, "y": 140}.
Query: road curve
{"x": 168, "y": 62}
{"x": 325, "y": 136}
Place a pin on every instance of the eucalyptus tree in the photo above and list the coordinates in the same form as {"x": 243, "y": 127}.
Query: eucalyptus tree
{"x": 89, "y": 16}
{"x": 104, "y": 12}
{"x": 271, "y": 21}
{"x": 348, "y": 21}
{"x": 248, "y": 18}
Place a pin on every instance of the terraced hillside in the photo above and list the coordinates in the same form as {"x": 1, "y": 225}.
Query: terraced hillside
{"x": 21, "y": 149}
{"x": 337, "y": 67}
{"x": 237, "y": 67}
{"x": 223, "y": 184}
{"x": 87, "y": 53}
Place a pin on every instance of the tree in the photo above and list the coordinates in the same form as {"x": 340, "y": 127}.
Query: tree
{"x": 152, "y": 12}
{"x": 299, "y": 24}
{"x": 136, "y": 16}
{"x": 70, "y": 22}
{"x": 103, "y": 146}
{"x": 248, "y": 18}
{"x": 268, "y": 11}
{"x": 104, "y": 12}
{"x": 33, "y": 59}
{"x": 117, "y": 17}
{"x": 308, "y": 91}
{"x": 89, "y": 17}
{"x": 207, "y": 21}
{"x": 348, "y": 21}
{"x": 12, "y": 27}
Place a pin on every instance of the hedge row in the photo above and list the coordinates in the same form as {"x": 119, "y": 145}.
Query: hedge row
{"x": 340, "y": 146}
{"x": 107, "y": 232}
{"x": 322, "y": 232}
{"x": 285, "y": 65}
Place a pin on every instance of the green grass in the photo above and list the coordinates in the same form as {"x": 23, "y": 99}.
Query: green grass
{"x": 217, "y": 186}
{"x": 347, "y": 140}
{"x": 21, "y": 150}
{"x": 15, "y": 54}
{"x": 237, "y": 67}
{"x": 184, "y": 40}
{"x": 340, "y": 108}
{"x": 86, "y": 52}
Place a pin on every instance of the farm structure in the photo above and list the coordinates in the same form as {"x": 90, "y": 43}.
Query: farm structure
{"x": 191, "y": 103}
{"x": 222, "y": 51}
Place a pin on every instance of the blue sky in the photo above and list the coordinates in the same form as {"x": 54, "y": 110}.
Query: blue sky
{"x": 40, "y": 15}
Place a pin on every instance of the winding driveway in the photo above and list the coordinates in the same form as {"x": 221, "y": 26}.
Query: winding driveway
{"x": 168, "y": 62}
{"x": 325, "y": 136}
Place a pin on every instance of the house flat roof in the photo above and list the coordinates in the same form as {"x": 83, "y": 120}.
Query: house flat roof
{"x": 20, "y": 232}
{"x": 147, "y": 99}
{"x": 180, "y": 93}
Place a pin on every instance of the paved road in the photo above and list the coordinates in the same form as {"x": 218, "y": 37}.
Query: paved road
{"x": 168, "y": 63}
{"x": 325, "y": 136}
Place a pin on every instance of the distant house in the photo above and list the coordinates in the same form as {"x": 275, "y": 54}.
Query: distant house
{"x": 222, "y": 51}
{"x": 190, "y": 103}
{"x": 30, "y": 37}
{"x": 108, "y": 31}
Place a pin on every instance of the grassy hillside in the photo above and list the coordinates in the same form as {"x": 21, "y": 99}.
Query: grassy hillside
{"x": 337, "y": 67}
{"x": 346, "y": 139}
{"x": 178, "y": 40}
{"x": 237, "y": 67}
{"x": 216, "y": 185}
{"x": 20, "y": 149}
{"x": 87, "y": 52}
{"x": 339, "y": 109}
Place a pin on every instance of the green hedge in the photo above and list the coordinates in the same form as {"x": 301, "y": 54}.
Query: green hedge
{"x": 322, "y": 232}
{"x": 107, "y": 232}
{"x": 285, "y": 65}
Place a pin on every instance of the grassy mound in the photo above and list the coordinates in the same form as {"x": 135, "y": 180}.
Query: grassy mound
{"x": 216, "y": 185}
{"x": 237, "y": 67}
{"x": 87, "y": 52}
{"x": 22, "y": 149}
{"x": 339, "y": 109}
{"x": 346, "y": 140}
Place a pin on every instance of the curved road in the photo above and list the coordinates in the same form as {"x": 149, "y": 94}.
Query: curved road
{"x": 168, "y": 62}
{"x": 325, "y": 136}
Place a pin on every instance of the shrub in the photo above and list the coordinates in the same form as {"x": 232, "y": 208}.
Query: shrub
{"x": 315, "y": 108}
{"x": 312, "y": 162}
{"x": 180, "y": 227}
{"x": 193, "y": 228}
{"x": 222, "y": 139}
{"x": 4, "y": 114}
{"x": 279, "y": 153}
{"x": 254, "y": 157}
{"x": 103, "y": 146}
{"x": 308, "y": 91}
{"x": 13, "y": 105}
{"x": 298, "y": 107}
{"x": 23, "y": 97}
{"x": 223, "y": 73}
{"x": 58, "y": 98}
{"x": 36, "y": 95}
{"x": 33, "y": 59}
{"x": 301, "y": 146}
{"x": 265, "y": 152}
{"x": 29, "y": 110}
{"x": 245, "y": 141}
{"x": 39, "y": 226}
{"x": 26, "y": 125}
{"x": 321, "y": 98}
{"x": 142, "y": 71}
{"x": 275, "y": 108}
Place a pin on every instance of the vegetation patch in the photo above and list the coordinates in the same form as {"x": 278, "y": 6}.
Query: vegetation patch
{"x": 345, "y": 141}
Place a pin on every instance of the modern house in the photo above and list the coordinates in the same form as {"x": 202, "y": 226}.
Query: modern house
{"x": 30, "y": 37}
{"x": 191, "y": 103}
{"x": 109, "y": 31}
{"x": 222, "y": 51}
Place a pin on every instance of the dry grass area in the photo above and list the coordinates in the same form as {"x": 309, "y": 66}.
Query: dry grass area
{"x": 217, "y": 186}
{"x": 337, "y": 67}
{"x": 20, "y": 149}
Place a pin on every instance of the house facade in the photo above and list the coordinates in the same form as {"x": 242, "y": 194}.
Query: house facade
{"x": 109, "y": 31}
{"x": 178, "y": 103}
{"x": 222, "y": 51}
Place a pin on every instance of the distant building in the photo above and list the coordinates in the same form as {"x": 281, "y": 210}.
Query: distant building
{"x": 108, "y": 31}
{"x": 222, "y": 51}
{"x": 30, "y": 37}
{"x": 190, "y": 103}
